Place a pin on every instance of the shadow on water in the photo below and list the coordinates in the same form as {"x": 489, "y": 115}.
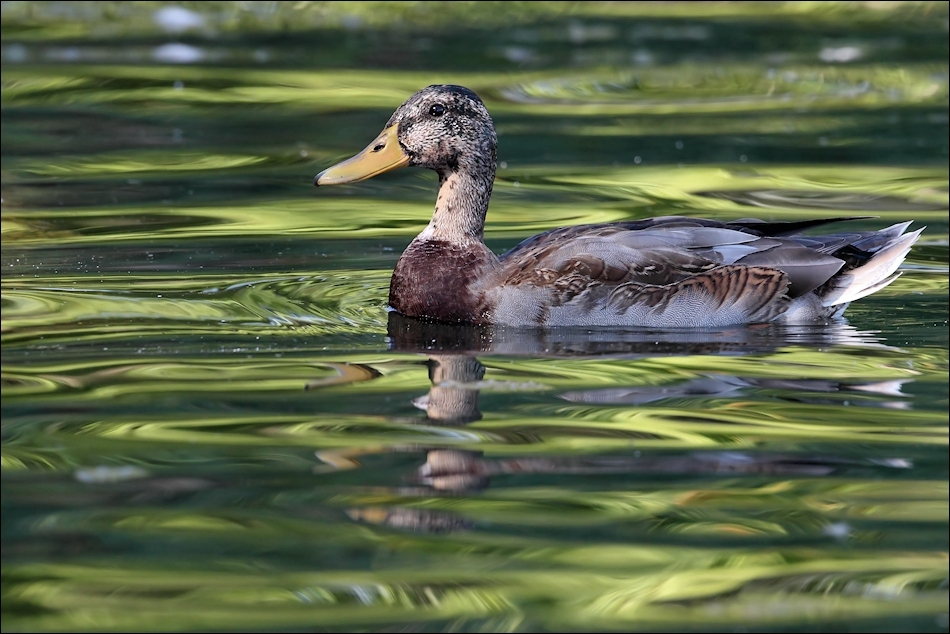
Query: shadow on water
{"x": 408, "y": 334}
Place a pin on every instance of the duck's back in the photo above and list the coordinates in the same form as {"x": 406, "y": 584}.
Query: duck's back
{"x": 675, "y": 272}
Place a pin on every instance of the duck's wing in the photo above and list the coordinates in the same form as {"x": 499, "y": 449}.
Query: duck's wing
{"x": 752, "y": 226}
{"x": 663, "y": 251}
{"x": 664, "y": 272}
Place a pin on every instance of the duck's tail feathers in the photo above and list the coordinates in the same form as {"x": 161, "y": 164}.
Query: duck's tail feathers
{"x": 890, "y": 246}
{"x": 878, "y": 240}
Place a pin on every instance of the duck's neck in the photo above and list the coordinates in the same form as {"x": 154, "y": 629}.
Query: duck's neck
{"x": 439, "y": 272}
{"x": 459, "y": 216}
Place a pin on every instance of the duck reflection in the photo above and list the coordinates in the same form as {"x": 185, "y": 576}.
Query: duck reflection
{"x": 457, "y": 376}
{"x": 411, "y": 335}
{"x": 452, "y": 399}
{"x": 726, "y": 386}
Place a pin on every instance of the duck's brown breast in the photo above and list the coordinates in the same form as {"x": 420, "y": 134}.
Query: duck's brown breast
{"x": 435, "y": 279}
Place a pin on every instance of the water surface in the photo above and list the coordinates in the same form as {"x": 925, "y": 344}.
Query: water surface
{"x": 211, "y": 421}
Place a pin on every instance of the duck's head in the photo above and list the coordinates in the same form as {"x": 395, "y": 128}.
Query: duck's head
{"x": 443, "y": 128}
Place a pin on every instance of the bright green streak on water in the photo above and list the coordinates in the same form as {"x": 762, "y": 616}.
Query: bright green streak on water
{"x": 211, "y": 421}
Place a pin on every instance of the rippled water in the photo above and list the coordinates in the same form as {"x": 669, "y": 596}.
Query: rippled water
{"x": 210, "y": 420}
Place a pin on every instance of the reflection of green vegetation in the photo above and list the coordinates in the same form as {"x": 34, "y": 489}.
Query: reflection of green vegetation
{"x": 203, "y": 426}
{"x": 716, "y": 586}
{"x": 49, "y": 20}
{"x": 122, "y": 165}
{"x": 720, "y": 422}
{"x": 796, "y": 506}
{"x": 616, "y": 193}
{"x": 333, "y": 301}
{"x": 699, "y": 89}
{"x": 690, "y": 89}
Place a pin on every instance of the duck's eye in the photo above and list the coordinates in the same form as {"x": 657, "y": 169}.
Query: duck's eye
{"x": 437, "y": 110}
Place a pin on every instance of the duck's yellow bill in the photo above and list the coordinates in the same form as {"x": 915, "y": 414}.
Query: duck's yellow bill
{"x": 382, "y": 155}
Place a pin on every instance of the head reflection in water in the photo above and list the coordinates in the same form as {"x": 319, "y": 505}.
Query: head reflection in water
{"x": 453, "y": 399}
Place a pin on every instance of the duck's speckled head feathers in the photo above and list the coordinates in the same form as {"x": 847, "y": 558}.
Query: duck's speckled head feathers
{"x": 447, "y": 128}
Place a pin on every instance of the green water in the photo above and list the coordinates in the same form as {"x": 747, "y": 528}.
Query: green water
{"x": 210, "y": 420}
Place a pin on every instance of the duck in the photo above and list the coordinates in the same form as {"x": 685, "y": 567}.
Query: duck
{"x": 655, "y": 273}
